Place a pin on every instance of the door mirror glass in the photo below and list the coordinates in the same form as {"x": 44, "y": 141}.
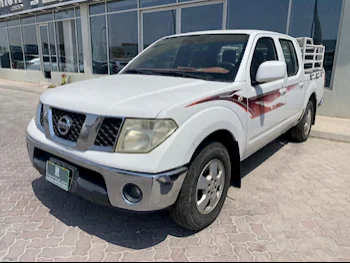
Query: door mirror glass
{"x": 270, "y": 71}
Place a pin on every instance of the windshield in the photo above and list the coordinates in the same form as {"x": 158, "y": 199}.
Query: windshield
{"x": 209, "y": 57}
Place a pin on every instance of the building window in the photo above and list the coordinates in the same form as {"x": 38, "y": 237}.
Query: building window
{"x": 98, "y": 9}
{"x": 44, "y": 17}
{"x": 4, "y": 52}
{"x": 30, "y": 47}
{"x": 123, "y": 40}
{"x": 99, "y": 44}
{"x": 157, "y": 25}
{"x": 28, "y": 20}
{"x": 258, "y": 14}
{"x": 121, "y": 5}
{"x": 66, "y": 46}
{"x": 65, "y": 14}
{"x": 116, "y": 43}
{"x": 16, "y": 50}
{"x": 14, "y": 22}
{"x": 147, "y": 3}
{"x": 320, "y": 20}
{"x": 80, "y": 47}
{"x": 198, "y": 18}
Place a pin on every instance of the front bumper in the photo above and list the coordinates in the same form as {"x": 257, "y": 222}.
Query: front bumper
{"x": 104, "y": 185}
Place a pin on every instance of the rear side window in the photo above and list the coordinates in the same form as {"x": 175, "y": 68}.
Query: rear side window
{"x": 265, "y": 50}
{"x": 290, "y": 57}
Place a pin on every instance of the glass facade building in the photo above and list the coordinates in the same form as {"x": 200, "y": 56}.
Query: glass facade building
{"x": 93, "y": 38}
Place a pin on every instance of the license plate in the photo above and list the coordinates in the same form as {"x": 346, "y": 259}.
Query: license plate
{"x": 58, "y": 175}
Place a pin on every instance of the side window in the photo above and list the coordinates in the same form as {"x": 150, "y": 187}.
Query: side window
{"x": 290, "y": 56}
{"x": 265, "y": 50}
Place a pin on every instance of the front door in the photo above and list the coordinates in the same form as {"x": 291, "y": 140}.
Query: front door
{"x": 45, "y": 53}
{"x": 266, "y": 101}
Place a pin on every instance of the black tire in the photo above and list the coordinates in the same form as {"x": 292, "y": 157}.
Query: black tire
{"x": 297, "y": 133}
{"x": 184, "y": 212}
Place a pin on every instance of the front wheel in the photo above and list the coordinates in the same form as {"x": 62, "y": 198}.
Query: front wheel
{"x": 205, "y": 188}
{"x": 301, "y": 132}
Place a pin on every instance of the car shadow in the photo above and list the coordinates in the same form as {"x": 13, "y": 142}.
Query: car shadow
{"x": 119, "y": 227}
{"x": 258, "y": 158}
{"x": 122, "y": 228}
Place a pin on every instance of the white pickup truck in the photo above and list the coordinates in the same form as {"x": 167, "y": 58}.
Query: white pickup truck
{"x": 171, "y": 129}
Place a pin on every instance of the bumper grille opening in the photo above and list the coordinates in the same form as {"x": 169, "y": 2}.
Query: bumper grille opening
{"x": 84, "y": 173}
{"x": 77, "y": 124}
{"x": 108, "y": 132}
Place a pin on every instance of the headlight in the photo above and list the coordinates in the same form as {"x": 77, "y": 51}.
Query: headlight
{"x": 37, "y": 114}
{"x": 142, "y": 136}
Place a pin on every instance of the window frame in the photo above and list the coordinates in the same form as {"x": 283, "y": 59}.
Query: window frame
{"x": 258, "y": 38}
{"x": 292, "y": 49}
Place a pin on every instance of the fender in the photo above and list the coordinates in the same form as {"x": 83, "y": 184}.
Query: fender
{"x": 311, "y": 89}
{"x": 210, "y": 120}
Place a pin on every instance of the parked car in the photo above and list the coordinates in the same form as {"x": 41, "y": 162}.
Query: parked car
{"x": 171, "y": 129}
{"x": 64, "y": 65}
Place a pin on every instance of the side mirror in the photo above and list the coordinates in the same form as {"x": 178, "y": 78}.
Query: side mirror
{"x": 271, "y": 71}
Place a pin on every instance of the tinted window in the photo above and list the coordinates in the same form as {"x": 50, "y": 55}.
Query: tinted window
{"x": 30, "y": 44}
{"x": 265, "y": 50}
{"x": 14, "y": 22}
{"x": 16, "y": 48}
{"x": 67, "y": 48}
{"x": 157, "y": 25}
{"x": 44, "y": 17}
{"x": 80, "y": 46}
{"x": 199, "y": 18}
{"x": 320, "y": 20}
{"x": 146, "y": 3}
{"x": 28, "y": 20}
{"x": 258, "y": 14}
{"x": 209, "y": 57}
{"x": 97, "y": 9}
{"x": 99, "y": 44}
{"x": 64, "y": 14}
{"x": 290, "y": 57}
{"x": 123, "y": 39}
{"x": 4, "y": 52}
{"x": 121, "y": 5}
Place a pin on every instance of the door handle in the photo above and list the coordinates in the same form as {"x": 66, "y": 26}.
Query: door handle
{"x": 301, "y": 85}
{"x": 283, "y": 91}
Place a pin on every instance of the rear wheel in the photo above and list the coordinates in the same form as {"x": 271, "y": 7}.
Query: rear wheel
{"x": 301, "y": 132}
{"x": 205, "y": 188}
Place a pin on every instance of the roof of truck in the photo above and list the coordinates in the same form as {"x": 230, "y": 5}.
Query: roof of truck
{"x": 212, "y": 32}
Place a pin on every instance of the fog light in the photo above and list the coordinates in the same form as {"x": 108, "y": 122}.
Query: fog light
{"x": 132, "y": 193}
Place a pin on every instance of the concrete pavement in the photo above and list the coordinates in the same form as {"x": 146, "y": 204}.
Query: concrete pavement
{"x": 294, "y": 205}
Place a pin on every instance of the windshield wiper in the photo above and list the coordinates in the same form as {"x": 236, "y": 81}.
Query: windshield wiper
{"x": 141, "y": 71}
{"x": 181, "y": 74}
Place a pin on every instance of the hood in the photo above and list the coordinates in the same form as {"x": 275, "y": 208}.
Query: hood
{"x": 140, "y": 96}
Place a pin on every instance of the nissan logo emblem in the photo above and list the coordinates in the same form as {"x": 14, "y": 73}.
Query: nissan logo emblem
{"x": 64, "y": 124}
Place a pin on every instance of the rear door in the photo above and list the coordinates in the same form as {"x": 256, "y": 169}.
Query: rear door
{"x": 294, "y": 83}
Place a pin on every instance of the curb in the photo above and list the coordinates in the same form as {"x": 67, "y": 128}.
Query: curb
{"x": 330, "y": 136}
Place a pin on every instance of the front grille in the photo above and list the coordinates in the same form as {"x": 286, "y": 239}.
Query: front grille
{"x": 42, "y": 115}
{"x": 77, "y": 124}
{"x": 108, "y": 133}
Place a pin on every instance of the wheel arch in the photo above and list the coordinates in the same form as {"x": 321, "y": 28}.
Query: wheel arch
{"x": 226, "y": 138}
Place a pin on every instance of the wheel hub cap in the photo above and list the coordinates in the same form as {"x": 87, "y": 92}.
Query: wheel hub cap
{"x": 307, "y": 125}
{"x": 210, "y": 186}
